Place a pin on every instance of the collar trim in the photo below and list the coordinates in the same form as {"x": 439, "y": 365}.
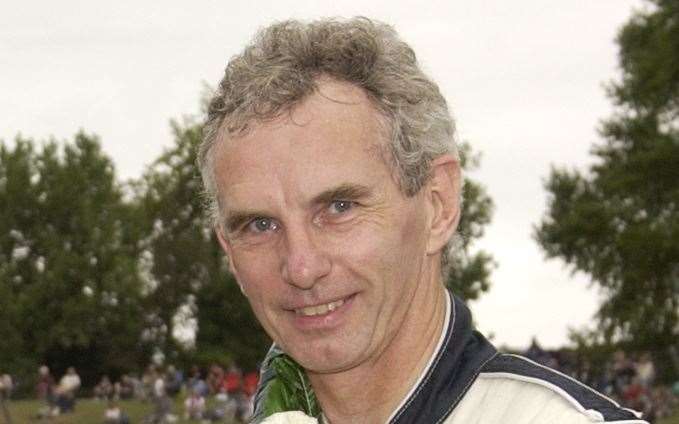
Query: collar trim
{"x": 455, "y": 367}
{"x": 433, "y": 361}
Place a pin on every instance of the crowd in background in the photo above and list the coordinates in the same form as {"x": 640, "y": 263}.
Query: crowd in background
{"x": 207, "y": 396}
{"x": 59, "y": 397}
{"x": 218, "y": 394}
{"x": 629, "y": 380}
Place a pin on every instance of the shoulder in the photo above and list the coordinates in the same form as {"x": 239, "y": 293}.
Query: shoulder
{"x": 542, "y": 394}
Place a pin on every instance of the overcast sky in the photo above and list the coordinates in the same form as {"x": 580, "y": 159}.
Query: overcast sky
{"x": 524, "y": 79}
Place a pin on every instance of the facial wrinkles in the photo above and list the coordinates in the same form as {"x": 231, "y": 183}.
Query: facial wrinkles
{"x": 284, "y": 199}
{"x": 393, "y": 318}
{"x": 282, "y": 139}
{"x": 341, "y": 278}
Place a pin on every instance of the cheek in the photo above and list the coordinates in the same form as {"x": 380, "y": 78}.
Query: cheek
{"x": 259, "y": 285}
{"x": 382, "y": 247}
{"x": 414, "y": 233}
{"x": 256, "y": 273}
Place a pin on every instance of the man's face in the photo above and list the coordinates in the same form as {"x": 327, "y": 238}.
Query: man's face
{"x": 326, "y": 248}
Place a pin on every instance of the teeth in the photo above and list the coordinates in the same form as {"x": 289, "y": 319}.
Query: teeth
{"x": 310, "y": 311}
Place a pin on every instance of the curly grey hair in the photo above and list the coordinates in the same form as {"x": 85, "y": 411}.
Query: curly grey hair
{"x": 282, "y": 66}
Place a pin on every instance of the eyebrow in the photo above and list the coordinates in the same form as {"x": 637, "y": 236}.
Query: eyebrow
{"x": 341, "y": 192}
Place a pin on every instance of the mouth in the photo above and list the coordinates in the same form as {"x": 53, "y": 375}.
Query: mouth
{"x": 326, "y": 308}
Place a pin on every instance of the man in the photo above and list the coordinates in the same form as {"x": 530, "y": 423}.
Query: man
{"x": 330, "y": 162}
{"x": 6, "y": 386}
{"x": 45, "y": 391}
{"x": 161, "y": 401}
{"x": 66, "y": 390}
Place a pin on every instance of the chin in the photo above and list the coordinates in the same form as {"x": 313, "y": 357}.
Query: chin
{"x": 326, "y": 358}
{"x": 324, "y": 366}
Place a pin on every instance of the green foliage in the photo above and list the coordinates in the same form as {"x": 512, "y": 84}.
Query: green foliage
{"x": 68, "y": 268}
{"x": 649, "y": 44}
{"x": 284, "y": 387}
{"x": 470, "y": 272}
{"x": 227, "y": 324}
{"x": 619, "y": 221}
{"x": 187, "y": 265}
{"x": 175, "y": 242}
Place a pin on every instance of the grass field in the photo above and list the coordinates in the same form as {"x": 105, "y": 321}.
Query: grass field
{"x": 672, "y": 420}
{"x": 87, "y": 411}
{"x": 91, "y": 412}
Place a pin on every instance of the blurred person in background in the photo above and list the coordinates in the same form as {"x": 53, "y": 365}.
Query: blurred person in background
{"x": 114, "y": 414}
{"x": 194, "y": 406}
{"x": 215, "y": 378}
{"x": 645, "y": 370}
{"x": 174, "y": 379}
{"x": 232, "y": 380}
{"x": 162, "y": 405}
{"x": 196, "y": 383}
{"x": 44, "y": 387}
{"x": 66, "y": 390}
{"x": 104, "y": 390}
{"x": 6, "y": 386}
{"x": 124, "y": 388}
{"x": 44, "y": 391}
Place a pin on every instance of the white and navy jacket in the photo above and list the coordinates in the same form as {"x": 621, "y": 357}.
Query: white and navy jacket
{"x": 468, "y": 382}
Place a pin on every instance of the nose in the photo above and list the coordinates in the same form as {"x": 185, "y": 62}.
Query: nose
{"x": 304, "y": 264}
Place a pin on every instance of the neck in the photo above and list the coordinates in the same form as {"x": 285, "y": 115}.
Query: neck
{"x": 371, "y": 392}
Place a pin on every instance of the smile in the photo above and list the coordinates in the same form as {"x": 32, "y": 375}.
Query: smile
{"x": 311, "y": 311}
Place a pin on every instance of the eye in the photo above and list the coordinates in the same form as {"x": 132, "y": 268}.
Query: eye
{"x": 261, "y": 225}
{"x": 340, "y": 206}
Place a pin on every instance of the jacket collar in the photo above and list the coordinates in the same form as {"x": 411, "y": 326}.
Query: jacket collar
{"x": 455, "y": 365}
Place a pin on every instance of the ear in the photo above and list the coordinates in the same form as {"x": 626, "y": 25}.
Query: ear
{"x": 226, "y": 247}
{"x": 443, "y": 190}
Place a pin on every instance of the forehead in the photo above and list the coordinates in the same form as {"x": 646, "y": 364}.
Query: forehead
{"x": 333, "y": 137}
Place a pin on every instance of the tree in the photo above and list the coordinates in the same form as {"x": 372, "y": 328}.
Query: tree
{"x": 176, "y": 241}
{"x": 187, "y": 265}
{"x": 68, "y": 267}
{"x": 227, "y": 327}
{"x": 470, "y": 272}
{"x": 17, "y": 210}
{"x": 619, "y": 221}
